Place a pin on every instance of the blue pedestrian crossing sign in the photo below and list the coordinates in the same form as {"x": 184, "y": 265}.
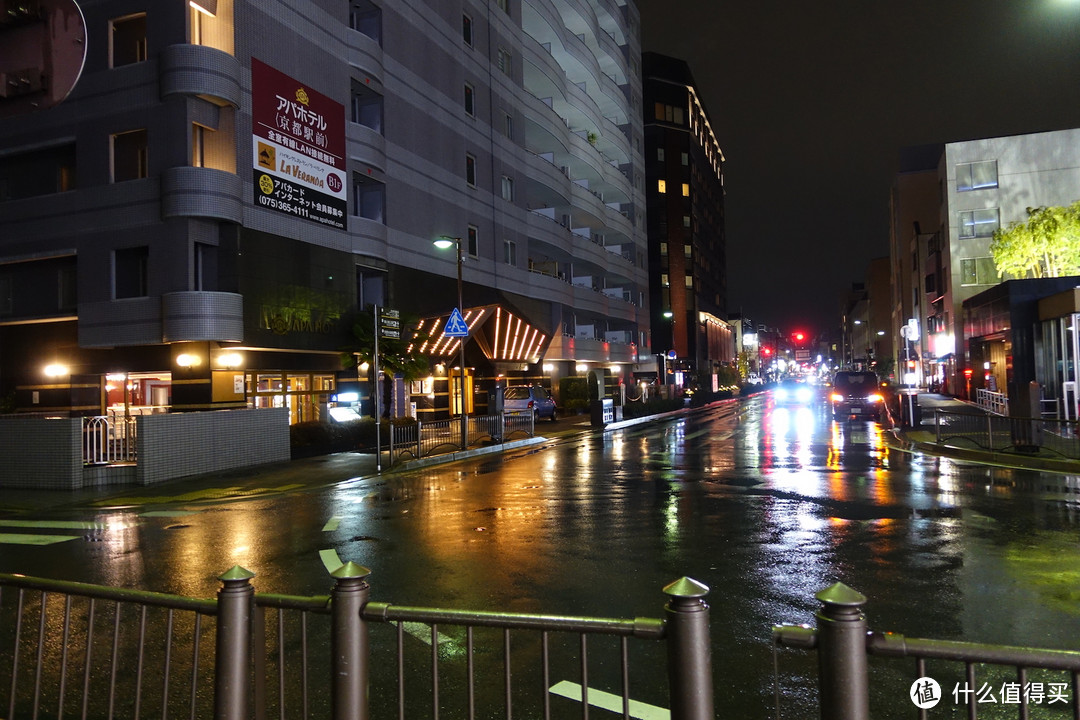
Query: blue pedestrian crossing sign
{"x": 455, "y": 326}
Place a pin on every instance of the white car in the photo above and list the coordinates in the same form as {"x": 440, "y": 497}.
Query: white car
{"x": 753, "y": 379}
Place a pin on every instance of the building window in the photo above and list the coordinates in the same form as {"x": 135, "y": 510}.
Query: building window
{"x": 978, "y": 271}
{"x": 976, "y": 176}
{"x": 686, "y": 221}
{"x": 66, "y": 298}
{"x": 689, "y": 281}
{"x": 685, "y": 159}
{"x": 369, "y": 198}
{"x": 366, "y": 18}
{"x": 130, "y": 272}
{"x": 366, "y": 106}
{"x": 507, "y": 188}
{"x": 198, "y": 145}
{"x": 504, "y": 5}
{"x": 127, "y": 38}
{"x": 663, "y": 248}
{"x": 470, "y": 105}
{"x": 42, "y": 172}
{"x": 686, "y": 189}
{"x": 129, "y": 156}
{"x": 505, "y": 64}
{"x": 979, "y": 223}
{"x": 466, "y": 29}
{"x": 509, "y": 125}
{"x": 204, "y": 264}
{"x": 470, "y": 169}
{"x": 510, "y": 252}
{"x": 661, "y": 186}
{"x": 665, "y": 281}
{"x": 660, "y": 154}
{"x": 472, "y": 239}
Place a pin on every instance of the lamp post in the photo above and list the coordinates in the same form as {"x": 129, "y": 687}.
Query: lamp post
{"x": 444, "y": 243}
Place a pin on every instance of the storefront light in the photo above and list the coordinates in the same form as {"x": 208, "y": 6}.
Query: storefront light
{"x": 187, "y": 360}
{"x": 230, "y": 360}
{"x": 55, "y": 370}
{"x": 549, "y": 367}
{"x": 581, "y": 367}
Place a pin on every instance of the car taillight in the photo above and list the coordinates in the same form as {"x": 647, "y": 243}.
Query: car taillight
{"x": 875, "y": 397}
{"x": 530, "y": 405}
{"x": 836, "y": 397}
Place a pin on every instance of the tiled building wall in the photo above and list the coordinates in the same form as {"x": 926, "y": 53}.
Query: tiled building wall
{"x": 182, "y": 444}
{"x": 40, "y": 453}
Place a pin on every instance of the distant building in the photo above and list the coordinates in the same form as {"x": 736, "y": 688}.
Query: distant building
{"x": 947, "y": 201}
{"x": 684, "y": 170}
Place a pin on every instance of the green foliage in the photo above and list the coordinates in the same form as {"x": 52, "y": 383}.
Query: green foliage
{"x": 308, "y": 439}
{"x": 394, "y": 355}
{"x": 7, "y": 404}
{"x": 573, "y": 394}
{"x": 1047, "y": 244}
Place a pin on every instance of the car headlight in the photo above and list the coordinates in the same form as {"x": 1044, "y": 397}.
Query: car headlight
{"x": 875, "y": 398}
{"x": 781, "y": 394}
{"x": 803, "y": 394}
{"x": 836, "y": 397}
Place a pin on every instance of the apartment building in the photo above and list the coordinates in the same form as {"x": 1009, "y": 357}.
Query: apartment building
{"x": 687, "y": 241}
{"x": 230, "y": 181}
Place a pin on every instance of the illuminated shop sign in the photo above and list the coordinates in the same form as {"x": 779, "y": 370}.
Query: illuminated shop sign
{"x": 298, "y": 148}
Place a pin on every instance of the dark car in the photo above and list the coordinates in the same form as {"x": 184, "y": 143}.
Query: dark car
{"x": 522, "y": 398}
{"x": 856, "y": 393}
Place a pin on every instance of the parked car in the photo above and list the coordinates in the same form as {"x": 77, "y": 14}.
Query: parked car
{"x": 522, "y": 398}
{"x": 856, "y": 393}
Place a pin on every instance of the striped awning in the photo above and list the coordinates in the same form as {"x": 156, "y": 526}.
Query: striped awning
{"x": 499, "y": 333}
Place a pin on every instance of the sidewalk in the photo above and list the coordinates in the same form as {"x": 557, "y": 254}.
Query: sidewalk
{"x": 923, "y": 439}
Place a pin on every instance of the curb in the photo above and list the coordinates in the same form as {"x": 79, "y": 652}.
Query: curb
{"x": 985, "y": 457}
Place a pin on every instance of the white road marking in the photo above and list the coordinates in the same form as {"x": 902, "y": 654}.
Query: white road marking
{"x": 332, "y": 524}
{"x": 330, "y": 559}
{"x": 422, "y": 632}
{"x": 607, "y": 701}
{"x": 55, "y": 524}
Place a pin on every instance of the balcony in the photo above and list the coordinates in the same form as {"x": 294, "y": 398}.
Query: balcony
{"x": 202, "y": 193}
{"x": 201, "y": 71}
{"x": 202, "y": 316}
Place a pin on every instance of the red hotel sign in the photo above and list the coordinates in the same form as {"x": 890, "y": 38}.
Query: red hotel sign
{"x": 298, "y": 148}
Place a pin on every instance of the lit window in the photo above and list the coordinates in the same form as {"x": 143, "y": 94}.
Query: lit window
{"x": 978, "y": 271}
{"x": 664, "y": 280}
{"x": 689, "y": 281}
{"x": 686, "y": 221}
{"x": 686, "y": 189}
{"x": 978, "y": 223}
{"x": 976, "y": 176}
{"x": 663, "y": 248}
{"x": 470, "y": 169}
{"x": 661, "y": 186}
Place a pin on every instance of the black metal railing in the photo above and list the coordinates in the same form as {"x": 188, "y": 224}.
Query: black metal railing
{"x": 995, "y": 675}
{"x": 432, "y": 437}
{"x": 1048, "y": 436}
{"x": 72, "y": 649}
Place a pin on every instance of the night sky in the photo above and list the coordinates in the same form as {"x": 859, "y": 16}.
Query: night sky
{"x": 811, "y": 103}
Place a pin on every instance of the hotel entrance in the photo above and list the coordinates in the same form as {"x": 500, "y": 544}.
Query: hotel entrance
{"x": 304, "y": 393}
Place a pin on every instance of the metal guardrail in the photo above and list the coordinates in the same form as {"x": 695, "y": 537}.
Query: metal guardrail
{"x": 995, "y": 402}
{"x": 1027, "y": 436}
{"x": 76, "y": 649}
{"x": 844, "y": 644}
{"x": 109, "y": 439}
{"x": 430, "y": 437}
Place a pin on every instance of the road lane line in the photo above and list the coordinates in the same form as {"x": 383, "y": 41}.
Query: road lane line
{"x": 332, "y": 524}
{"x": 18, "y": 539}
{"x": 422, "y": 632}
{"x": 608, "y": 701}
{"x": 330, "y": 559}
{"x": 55, "y": 524}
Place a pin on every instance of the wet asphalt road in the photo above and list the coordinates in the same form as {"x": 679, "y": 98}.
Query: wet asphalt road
{"x": 766, "y": 505}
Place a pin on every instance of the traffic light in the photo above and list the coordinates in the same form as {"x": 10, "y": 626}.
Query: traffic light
{"x": 799, "y": 336}
{"x": 910, "y": 364}
{"x": 766, "y": 350}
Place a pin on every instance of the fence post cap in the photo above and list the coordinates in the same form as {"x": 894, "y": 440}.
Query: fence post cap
{"x": 840, "y": 595}
{"x": 350, "y": 571}
{"x": 686, "y": 587}
{"x": 236, "y": 573}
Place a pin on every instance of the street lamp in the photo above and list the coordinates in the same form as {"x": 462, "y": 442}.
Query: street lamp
{"x": 444, "y": 243}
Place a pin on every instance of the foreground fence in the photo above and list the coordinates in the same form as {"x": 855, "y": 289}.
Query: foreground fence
{"x": 971, "y": 675}
{"x": 1008, "y": 434}
{"x": 70, "y": 649}
{"x": 426, "y": 438}
{"x": 109, "y": 439}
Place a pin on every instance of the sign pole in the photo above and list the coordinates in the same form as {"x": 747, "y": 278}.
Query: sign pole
{"x": 376, "y": 392}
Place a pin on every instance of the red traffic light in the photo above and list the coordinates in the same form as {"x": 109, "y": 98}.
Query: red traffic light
{"x": 799, "y": 337}
{"x": 767, "y": 350}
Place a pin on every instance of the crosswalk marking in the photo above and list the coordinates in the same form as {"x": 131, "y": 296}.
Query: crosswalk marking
{"x": 20, "y": 539}
{"x": 55, "y": 524}
{"x": 330, "y": 559}
{"x": 332, "y": 524}
{"x": 608, "y": 701}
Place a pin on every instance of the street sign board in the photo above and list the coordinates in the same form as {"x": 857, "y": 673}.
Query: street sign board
{"x": 456, "y": 326}
{"x": 389, "y": 323}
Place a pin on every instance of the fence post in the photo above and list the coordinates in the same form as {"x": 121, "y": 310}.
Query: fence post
{"x": 937, "y": 426}
{"x": 842, "y": 670}
{"x": 419, "y": 437}
{"x": 689, "y": 660}
{"x": 990, "y": 431}
{"x": 232, "y": 669}
{"x": 349, "y": 642}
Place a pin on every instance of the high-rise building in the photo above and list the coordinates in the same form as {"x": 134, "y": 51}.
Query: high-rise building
{"x": 684, "y": 170}
{"x": 230, "y": 181}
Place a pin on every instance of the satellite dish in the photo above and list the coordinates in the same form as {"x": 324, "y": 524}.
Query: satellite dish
{"x": 42, "y": 52}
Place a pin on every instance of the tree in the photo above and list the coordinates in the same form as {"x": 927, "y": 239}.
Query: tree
{"x": 394, "y": 353}
{"x": 1047, "y": 244}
